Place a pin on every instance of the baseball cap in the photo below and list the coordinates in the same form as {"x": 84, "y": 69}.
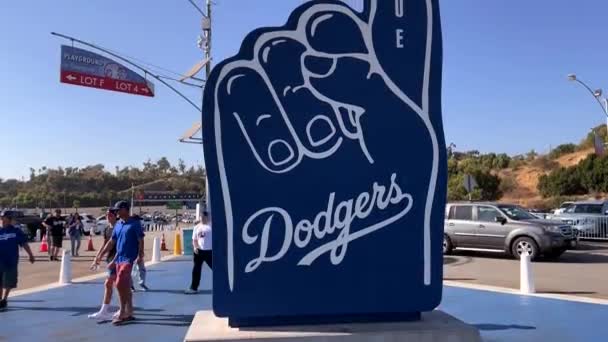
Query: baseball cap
{"x": 121, "y": 205}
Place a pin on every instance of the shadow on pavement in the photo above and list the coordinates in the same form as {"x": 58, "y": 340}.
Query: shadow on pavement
{"x": 182, "y": 259}
{"x": 169, "y": 320}
{"x": 459, "y": 279}
{"x": 570, "y": 292}
{"x": 591, "y": 246}
{"x": 201, "y": 292}
{"x": 488, "y": 255}
{"x": 456, "y": 260}
{"x": 490, "y": 326}
{"x": 77, "y": 311}
{"x": 93, "y": 282}
{"x": 579, "y": 258}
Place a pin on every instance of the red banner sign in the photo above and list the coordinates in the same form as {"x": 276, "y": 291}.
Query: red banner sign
{"x": 106, "y": 83}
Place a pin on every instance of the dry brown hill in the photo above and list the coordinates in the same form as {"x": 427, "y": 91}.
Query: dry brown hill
{"x": 525, "y": 179}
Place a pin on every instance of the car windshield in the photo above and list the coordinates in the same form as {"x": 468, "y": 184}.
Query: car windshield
{"x": 516, "y": 213}
{"x": 588, "y": 208}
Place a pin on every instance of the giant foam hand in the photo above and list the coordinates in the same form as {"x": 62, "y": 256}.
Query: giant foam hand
{"x": 325, "y": 149}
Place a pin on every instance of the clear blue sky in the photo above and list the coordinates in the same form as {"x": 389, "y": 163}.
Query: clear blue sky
{"x": 505, "y": 85}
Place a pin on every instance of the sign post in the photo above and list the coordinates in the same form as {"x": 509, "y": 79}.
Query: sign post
{"x": 469, "y": 184}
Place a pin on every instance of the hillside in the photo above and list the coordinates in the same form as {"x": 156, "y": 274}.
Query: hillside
{"x": 525, "y": 190}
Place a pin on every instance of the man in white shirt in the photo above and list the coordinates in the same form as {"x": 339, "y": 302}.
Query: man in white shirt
{"x": 201, "y": 244}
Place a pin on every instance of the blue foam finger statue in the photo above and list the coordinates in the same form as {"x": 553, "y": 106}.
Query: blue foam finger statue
{"x": 326, "y": 160}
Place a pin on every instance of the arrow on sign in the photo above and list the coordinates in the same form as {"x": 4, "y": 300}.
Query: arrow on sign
{"x": 71, "y": 78}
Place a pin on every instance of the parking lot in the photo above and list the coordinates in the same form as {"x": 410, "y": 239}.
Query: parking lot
{"x": 44, "y": 272}
{"x": 580, "y": 272}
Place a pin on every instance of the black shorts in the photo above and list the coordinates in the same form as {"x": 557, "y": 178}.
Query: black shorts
{"x": 8, "y": 277}
{"x": 57, "y": 241}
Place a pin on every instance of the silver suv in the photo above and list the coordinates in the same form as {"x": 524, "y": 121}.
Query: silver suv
{"x": 504, "y": 227}
{"x": 588, "y": 218}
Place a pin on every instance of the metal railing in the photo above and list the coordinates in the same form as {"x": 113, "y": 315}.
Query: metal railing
{"x": 157, "y": 227}
{"x": 586, "y": 227}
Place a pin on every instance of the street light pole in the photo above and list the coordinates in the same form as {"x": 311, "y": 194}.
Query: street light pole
{"x": 597, "y": 95}
{"x": 207, "y": 49}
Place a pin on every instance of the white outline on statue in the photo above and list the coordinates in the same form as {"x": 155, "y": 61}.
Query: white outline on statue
{"x": 375, "y": 67}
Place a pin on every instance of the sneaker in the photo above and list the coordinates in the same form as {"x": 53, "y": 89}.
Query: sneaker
{"x": 116, "y": 314}
{"x": 102, "y": 315}
{"x": 3, "y": 305}
{"x": 190, "y": 291}
{"x": 144, "y": 287}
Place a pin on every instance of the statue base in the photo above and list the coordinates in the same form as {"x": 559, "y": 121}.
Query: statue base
{"x": 435, "y": 326}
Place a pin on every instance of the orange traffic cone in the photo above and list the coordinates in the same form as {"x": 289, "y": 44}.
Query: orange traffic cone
{"x": 44, "y": 247}
{"x": 90, "y": 246}
{"x": 163, "y": 244}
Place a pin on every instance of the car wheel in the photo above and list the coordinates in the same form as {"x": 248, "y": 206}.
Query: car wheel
{"x": 554, "y": 254}
{"x": 447, "y": 245}
{"x": 524, "y": 244}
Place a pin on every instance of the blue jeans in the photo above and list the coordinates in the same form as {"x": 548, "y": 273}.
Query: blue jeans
{"x": 75, "y": 242}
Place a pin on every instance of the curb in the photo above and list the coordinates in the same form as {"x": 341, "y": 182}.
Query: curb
{"x": 95, "y": 276}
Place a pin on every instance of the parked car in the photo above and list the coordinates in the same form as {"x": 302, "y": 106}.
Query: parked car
{"x": 102, "y": 223}
{"x": 504, "y": 227}
{"x": 562, "y": 208}
{"x": 587, "y": 217}
{"x": 146, "y": 220}
{"x": 28, "y": 223}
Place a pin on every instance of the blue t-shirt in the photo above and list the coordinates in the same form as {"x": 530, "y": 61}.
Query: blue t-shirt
{"x": 126, "y": 235}
{"x": 10, "y": 240}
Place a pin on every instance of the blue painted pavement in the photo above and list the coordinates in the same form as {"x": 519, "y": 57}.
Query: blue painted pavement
{"x": 60, "y": 314}
{"x": 507, "y": 317}
{"x": 164, "y": 314}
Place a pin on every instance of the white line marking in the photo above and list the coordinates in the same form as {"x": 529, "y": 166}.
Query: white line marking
{"x": 74, "y": 281}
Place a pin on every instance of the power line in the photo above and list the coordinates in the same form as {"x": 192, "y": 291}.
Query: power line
{"x": 143, "y": 62}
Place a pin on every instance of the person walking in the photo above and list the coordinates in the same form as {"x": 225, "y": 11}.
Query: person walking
{"x": 201, "y": 245}
{"x": 128, "y": 237}
{"x": 104, "y": 312}
{"x": 75, "y": 229}
{"x": 55, "y": 225}
{"x": 11, "y": 239}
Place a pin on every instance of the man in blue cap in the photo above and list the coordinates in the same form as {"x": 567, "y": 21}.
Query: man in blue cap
{"x": 10, "y": 240}
{"x": 128, "y": 237}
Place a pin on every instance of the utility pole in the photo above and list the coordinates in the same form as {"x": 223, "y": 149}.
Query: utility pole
{"x": 207, "y": 49}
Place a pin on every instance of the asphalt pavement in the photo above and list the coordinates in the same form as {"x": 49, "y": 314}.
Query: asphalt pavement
{"x": 580, "y": 272}
{"x": 44, "y": 272}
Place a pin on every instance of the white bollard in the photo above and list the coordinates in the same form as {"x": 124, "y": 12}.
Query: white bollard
{"x": 526, "y": 278}
{"x": 156, "y": 250}
{"x": 65, "y": 275}
{"x": 38, "y": 235}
